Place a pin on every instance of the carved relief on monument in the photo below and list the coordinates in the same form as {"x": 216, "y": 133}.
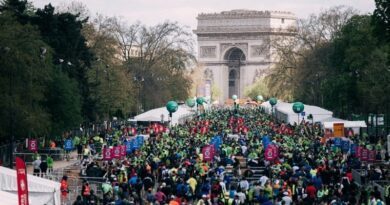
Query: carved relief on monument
{"x": 243, "y": 46}
{"x": 260, "y": 50}
{"x": 208, "y": 74}
{"x": 208, "y": 51}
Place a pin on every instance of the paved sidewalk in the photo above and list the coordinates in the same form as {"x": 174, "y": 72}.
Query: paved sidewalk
{"x": 59, "y": 164}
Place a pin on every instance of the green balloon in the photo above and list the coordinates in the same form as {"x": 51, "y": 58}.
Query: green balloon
{"x": 260, "y": 98}
{"x": 190, "y": 102}
{"x": 234, "y": 97}
{"x": 199, "y": 100}
{"x": 273, "y": 101}
{"x": 298, "y": 107}
{"x": 172, "y": 106}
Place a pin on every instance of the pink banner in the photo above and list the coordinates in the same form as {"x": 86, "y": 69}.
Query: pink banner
{"x": 208, "y": 153}
{"x": 21, "y": 177}
{"x": 32, "y": 145}
{"x": 123, "y": 150}
{"x": 269, "y": 153}
{"x": 358, "y": 151}
{"x": 371, "y": 155}
{"x": 364, "y": 155}
{"x": 117, "y": 152}
{"x": 107, "y": 154}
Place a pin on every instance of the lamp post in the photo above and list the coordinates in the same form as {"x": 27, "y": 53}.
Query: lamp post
{"x": 171, "y": 107}
{"x": 273, "y": 102}
{"x": 190, "y": 102}
{"x": 298, "y": 107}
{"x": 234, "y": 97}
{"x": 139, "y": 80}
{"x": 199, "y": 102}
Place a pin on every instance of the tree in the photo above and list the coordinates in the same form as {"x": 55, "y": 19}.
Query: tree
{"x": 160, "y": 67}
{"x": 63, "y": 32}
{"x": 63, "y": 102}
{"x": 303, "y": 60}
{"x": 381, "y": 19}
{"x": 24, "y": 72}
{"x": 110, "y": 82}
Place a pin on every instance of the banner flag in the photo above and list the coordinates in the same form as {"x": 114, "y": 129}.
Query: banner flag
{"x": 68, "y": 145}
{"x": 364, "y": 155}
{"x": 117, "y": 152}
{"x": 21, "y": 177}
{"x": 32, "y": 145}
{"x": 208, "y": 153}
{"x": 107, "y": 154}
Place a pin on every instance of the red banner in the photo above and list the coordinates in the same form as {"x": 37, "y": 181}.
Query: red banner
{"x": 123, "y": 150}
{"x": 358, "y": 153}
{"x": 208, "y": 153}
{"x": 117, "y": 152}
{"x": 275, "y": 151}
{"x": 371, "y": 155}
{"x": 21, "y": 176}
{"x": 364, "y": 154}
{"x": 107, "y": 154}
{"x": 32, "y": 145}
{"x": 269, "y": 153}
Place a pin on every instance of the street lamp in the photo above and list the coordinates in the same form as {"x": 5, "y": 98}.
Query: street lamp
{"x": 172, "y": 107}
{"x": 199, "y": 102}
{"x": 273, "y": 102}
{"x": 298, "y": 107}
{"x": 190, "y": 102}
{"x": 139, "y": 80}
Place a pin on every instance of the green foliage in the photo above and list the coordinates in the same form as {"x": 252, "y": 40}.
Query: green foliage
{"x": 23, "y": 78}
{"x": 258, "y": 88}
{"x": 63, "y": 102}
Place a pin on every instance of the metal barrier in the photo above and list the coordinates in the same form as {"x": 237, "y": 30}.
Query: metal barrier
{"x": 359, "y": 176}
{"x": 381, "y": 185}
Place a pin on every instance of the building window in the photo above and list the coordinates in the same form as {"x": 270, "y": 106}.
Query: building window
{"x": 282, "y": 20}
{"x": 232, "y": 83}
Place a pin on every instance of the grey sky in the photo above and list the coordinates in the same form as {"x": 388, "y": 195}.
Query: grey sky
{"x": 151, "y": 12}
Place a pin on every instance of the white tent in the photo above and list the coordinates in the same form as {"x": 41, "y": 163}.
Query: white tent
{"x": 155, "y": 115}
{"x": 8, "y": 198}
{"x": 355, "y": 125}
{"x": 284, "y": 112}
{"x": 41, "y": 191}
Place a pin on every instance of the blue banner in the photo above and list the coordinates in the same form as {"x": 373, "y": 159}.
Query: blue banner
{"x": 68, "y": 146}
{"x": 353, "y": 148}
{"x": 129, "y": 146}
{"x": 266, "y": 141}
{"x": 140, "y": 140}
{"x": 345, "y": 145}
{"x": 337, "y": 142}
{"x": 135, "y": 144}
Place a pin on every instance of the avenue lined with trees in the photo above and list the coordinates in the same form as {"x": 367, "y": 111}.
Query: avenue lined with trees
{"x": 64, "y": 67}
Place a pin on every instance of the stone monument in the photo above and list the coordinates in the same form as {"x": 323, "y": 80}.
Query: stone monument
{"x": 234, "y": 46}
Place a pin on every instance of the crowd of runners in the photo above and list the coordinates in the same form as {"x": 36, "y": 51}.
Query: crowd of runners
{"x": 170, "y": 167}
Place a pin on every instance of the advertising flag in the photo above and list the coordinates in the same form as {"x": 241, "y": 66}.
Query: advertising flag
{"x": 208, "y": 153}
{"x": 117, "y": 152}
{"x": 364, "y": 155}
{"x": 21, "y": 177}
{"x": 32, "y": 145}
{"x": 107, "y": 154}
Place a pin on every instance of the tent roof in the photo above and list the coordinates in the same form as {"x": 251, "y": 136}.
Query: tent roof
{"x": 8, "y": 198}
{"x": 350, "y": 124}
{"x": 309, "y": 109}
{"x": 155, "y": 114}
{"x": 35, "y": 184}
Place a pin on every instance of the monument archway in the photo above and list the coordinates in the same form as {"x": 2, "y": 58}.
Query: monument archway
{"x": 234, "y": 58}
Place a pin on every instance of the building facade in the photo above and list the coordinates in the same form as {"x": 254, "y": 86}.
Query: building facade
{"x": 234, "y": 46}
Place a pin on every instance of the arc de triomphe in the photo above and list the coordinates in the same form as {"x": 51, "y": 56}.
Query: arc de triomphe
{"x": 234, "y": 48}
